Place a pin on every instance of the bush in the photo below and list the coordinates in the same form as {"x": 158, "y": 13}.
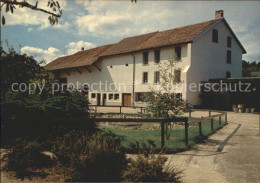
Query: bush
{"x": 42, "y": 120}
{"x": 149, "y": 169}
{"x": 97, "y": 158}
{"x": 24, "y": 158}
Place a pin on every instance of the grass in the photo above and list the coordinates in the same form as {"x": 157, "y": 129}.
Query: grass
{"x": 255, "y": 74}
{"x": 131, "y": 135}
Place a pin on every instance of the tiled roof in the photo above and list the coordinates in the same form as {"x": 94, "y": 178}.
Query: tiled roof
{"x": 128, "y": 44}
{"x": 181, "y": 35}
{"x": 159, "y": 39}
{"x": 79, "y": 59}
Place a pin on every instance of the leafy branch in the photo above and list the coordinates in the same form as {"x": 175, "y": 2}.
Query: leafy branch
{"x": 10, "y": 5}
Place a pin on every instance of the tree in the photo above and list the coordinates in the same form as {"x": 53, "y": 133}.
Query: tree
{"x": 166, "y": 102}
{"x": 10, "y": 5}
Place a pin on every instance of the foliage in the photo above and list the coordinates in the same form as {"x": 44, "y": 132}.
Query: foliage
{"x": 54, "y": 14}
{"x": 249, "y": 68}
{"x": 148, "y": 167}
{"x": 42, "y": 120}
{"x": 96, "y": 158}
{"x": 37, "y": 115}
{"x": 17, "y": 68}
{"x": 24, "y": 158}
{"x": 166, "y": 103}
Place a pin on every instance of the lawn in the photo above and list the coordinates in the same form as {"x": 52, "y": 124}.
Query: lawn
{"x": 255, "y": 74}
{"x": 175, "y": 142}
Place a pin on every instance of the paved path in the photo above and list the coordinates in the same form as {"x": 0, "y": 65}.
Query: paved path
{"x": 230, "y": 155}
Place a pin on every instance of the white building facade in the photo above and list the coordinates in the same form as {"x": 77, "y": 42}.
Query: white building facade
{"x": 125, "y": 71}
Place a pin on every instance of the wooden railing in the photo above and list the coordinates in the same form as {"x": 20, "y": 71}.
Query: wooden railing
{"x": 142, "y": 109}
{"x": 210, "y": 117}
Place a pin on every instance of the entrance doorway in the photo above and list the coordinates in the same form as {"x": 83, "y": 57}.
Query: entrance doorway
{"x": 126, "y": 99}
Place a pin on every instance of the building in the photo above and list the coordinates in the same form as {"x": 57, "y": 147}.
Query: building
{"x": 206, "y": 50}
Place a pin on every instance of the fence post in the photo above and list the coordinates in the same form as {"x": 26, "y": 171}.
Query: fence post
{"x": 190, "y": 113}
{"x": 211, "y": 121}
{"x": 200, "y": 129}
{"x": 95, "y": 109}
{"x": 209, "y": 112}
{"x": 226, "y": 117}
{"x": 219, "y": 120}
{"x": 120, "y": 109}
{"x": 162, "y": 135}
{"x": 186, "y": 131}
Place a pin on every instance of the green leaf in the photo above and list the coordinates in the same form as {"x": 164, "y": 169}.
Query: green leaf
{"x": 3, "y": 20}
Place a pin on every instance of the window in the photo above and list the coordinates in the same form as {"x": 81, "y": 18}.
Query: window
{"x": 156, "y": 56}
{"x": 229, "y": 57}
{"x": 145, "y": 58}
{"x": 110, "y": 96}
{"x": 215, "y": 36}
{"x": 116, "y": 97}
{"x": 228, "y": 74}
{"x": 177, "y": 74}
{"x": 145, "y": 77}
{"x": 63, "y": 80}
{"x": 139, "y": 96}
{"x": 229, "y": 41}
{"x": 179, "y": 95}
{"x": 93, "y": 95}
{"x": 85, "y": 88}
{"x": 178, "y": 52}
{"x": 126, "y": 65}
{"x": 156, "y": 77}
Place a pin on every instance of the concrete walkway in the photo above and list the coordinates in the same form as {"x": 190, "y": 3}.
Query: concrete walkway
{"x": 230, "y": 155}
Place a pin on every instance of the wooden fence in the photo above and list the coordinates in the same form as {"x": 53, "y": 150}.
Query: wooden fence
{"x": 162, "y": 122}
{"x": 142, "y": 109}
{"x": 210, "y": 117}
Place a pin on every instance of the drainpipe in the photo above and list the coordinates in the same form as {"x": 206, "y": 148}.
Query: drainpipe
{"x": 133, "y": 91}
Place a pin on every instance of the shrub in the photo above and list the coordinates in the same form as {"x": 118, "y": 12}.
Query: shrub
{"x": 24, "y": 158}
{"x": 149, "y": 169}
{"x": 97, "y": 158}
{"x": 43, "y": 120}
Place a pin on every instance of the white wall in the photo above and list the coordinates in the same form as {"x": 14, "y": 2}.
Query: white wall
{"x": 208, "y": 59}
{"x": 122, "y": 75}
{"x": 201, "y": 61}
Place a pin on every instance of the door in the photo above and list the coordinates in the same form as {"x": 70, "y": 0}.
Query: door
{"x": 126, "y": 99}
{"x": 98, "y": 98}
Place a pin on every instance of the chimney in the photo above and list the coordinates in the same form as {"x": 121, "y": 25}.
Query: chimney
{"x": 82, "y": 48}
{"x": 219, "y": 14}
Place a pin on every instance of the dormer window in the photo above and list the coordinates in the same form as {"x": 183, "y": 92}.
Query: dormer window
{"x": 215, "y": 36}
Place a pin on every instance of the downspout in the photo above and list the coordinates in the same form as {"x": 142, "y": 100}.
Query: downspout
{"x": 133, "y": 89}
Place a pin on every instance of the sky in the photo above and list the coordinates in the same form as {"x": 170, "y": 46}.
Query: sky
{"x": 94, "y": 23}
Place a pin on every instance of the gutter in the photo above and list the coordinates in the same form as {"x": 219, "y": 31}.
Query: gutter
{"x": 133, "y": 89}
